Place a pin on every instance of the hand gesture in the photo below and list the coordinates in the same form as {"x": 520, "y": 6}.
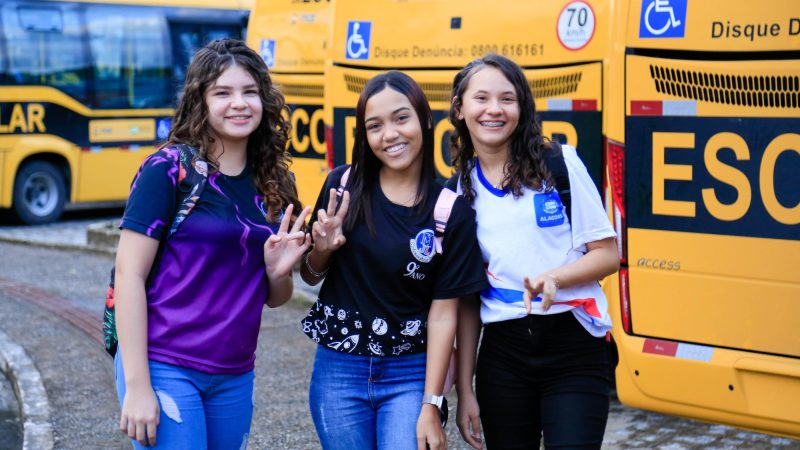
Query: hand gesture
{"x": 545, "y": 286}
{"x": 468, "y": 420}
{"x": 429, "y": 429}
{"x": 327, "y": 230}
{"x": 284, "y": 248}
{"x": 140, "y": 416}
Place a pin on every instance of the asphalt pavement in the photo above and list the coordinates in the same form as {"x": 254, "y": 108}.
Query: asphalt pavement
{"x": 51, "y": 300}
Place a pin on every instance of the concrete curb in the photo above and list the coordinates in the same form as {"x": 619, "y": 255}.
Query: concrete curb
{"x": 31, "y": 394}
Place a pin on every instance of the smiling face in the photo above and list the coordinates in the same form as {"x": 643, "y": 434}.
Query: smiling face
{"x": 234, "y": 106}
{"x": 490, "y": 109}
{"x": 394, "y": 132}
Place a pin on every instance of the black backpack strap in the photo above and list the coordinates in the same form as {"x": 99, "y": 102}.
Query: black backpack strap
{"x": 192, "y": 180}
{"x": 554, "y": 160}
{"x": 452, "y": 182}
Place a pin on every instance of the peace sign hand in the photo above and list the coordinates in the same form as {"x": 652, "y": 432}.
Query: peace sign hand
{"x": 327, "y": 230}
{"x": 283, "y": 249}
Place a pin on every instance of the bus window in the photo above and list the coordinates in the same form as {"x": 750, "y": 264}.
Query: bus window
{"x": 187, "y": 38}
{"x": 130, "y": 58}
{"x": 49, "y": 51}
{"x": 87, "y": 90}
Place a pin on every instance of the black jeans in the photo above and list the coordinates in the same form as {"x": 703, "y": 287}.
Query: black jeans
{"x": 542, "y": 375}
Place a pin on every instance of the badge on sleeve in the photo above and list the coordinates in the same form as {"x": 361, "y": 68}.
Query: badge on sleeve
{"x": 422, "y": 246}
{"x": 548, "y": 209}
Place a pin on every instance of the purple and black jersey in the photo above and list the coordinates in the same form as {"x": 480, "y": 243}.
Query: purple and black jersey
{"x": 208, "y": 285}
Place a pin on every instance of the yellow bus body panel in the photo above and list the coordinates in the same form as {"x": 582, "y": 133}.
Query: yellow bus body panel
{"x": 16, "y": 147}
{"x": 711, "y": 134}
{"x": 108, "y": 167}
{"x": 434, "y": 33}
{"x": 300, "y": 32}
{"x": 711, "y": 25}
{"x": 734, "y": 388}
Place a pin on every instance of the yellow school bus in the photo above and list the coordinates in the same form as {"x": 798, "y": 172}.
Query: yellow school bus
{"x": 87, "y": 90}
{"x": 703, "y": 141}
{"x": 292, "y": 37}
{"x": 432, "y": 39}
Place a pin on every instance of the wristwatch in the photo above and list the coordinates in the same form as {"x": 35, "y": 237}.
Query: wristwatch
{"x": 435, "y": 400}
{"x": 440, "y": 402}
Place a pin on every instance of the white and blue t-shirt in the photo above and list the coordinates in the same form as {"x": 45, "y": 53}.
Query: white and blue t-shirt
{"x": 530, "y": 235}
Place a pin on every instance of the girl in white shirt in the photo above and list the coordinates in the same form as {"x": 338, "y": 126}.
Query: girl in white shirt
{"x": 542, "y": 368}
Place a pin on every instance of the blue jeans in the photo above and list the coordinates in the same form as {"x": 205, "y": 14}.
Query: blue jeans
{"x": 198, "y": 410}
{"x": 366, "y": 402}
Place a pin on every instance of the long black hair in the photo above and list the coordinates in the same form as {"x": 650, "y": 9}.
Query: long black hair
{"x": 366, "y": 166}
{"x": 526, "y": 166}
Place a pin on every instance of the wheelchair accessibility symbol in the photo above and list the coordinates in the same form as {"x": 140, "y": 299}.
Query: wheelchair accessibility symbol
{"x": 358, "y": 37}
{"x": 268, "y": 52}
{"x": 663, "y": 19}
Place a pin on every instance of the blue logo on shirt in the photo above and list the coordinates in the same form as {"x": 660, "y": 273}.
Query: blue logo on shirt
{"x": 548, "y": 209}
{"x": 422, "y": 246}
{"x": 662, "y": 19}
{"x": 268, "y": 52}
{"x": 358, "y": 37}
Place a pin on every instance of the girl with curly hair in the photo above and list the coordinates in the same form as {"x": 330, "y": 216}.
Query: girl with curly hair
{"x": 542, "y": 368}
{"x": 189, "y": 307}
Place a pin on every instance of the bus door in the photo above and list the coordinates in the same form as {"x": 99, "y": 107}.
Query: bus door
{"x": 712, "y": 208}
{"x": 292, "y": 38}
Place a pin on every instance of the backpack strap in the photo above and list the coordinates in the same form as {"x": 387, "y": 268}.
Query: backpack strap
{"x": 343, "y": 182}
{"x": 554, "y": 160}
{"x": 452, "y": 182}
{"x": 192, "y": 179}
{"x": 441, "y": 214}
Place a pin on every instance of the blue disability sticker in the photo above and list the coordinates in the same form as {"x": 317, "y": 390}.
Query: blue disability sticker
{"x": 268, "y": 52}
{"x": 358, "y": 37}
{"x": 662, "y": 19}
{"x": 549, "y": 210}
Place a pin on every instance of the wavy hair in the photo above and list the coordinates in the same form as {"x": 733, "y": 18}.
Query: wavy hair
{"x": 366, "y": 166}
{"x": 525, "y": 166}
{"x": 266, "y": 146}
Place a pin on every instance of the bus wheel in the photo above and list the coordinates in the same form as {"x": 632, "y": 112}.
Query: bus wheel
{"x": 39, "y": 193}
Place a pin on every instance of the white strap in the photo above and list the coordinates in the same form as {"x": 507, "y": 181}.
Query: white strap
{"x": 343, "y": 182}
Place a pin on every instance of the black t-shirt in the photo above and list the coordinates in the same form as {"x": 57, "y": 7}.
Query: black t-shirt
{"x": 378, "y": 290}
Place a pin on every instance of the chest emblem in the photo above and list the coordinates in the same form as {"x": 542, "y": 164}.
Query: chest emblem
{"x": 548, "y": 209}
{"x": 422, "y": 246}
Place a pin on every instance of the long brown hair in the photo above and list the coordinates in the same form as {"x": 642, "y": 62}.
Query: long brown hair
{"x": 266, "y": 146}
{"x": 526, "y": 166}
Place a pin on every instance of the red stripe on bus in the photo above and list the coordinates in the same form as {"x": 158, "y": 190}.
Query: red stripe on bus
{"x": 646, "y": 108}
{"x": 584, "y": 105}
{"x": 658, "y": 347}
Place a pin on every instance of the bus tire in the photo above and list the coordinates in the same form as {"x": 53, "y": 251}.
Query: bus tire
{"x": 39, "y": 193}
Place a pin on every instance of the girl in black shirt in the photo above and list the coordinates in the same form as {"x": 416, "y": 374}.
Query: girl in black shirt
{"x": 386, "y": 315}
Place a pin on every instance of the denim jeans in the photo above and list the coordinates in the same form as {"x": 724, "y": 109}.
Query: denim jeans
{"x": 198, "y": 410}
{"x": 366, "y": 402}
{"x": 542, "y": 376}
